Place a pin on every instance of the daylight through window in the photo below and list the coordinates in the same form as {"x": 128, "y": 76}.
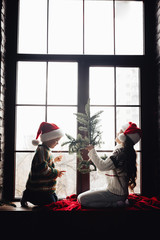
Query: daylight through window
{"x": 68, "y": 51}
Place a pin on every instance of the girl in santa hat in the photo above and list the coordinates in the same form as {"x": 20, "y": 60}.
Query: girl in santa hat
{"x": 41, "y": 183}
{"x": 120, "y": 170}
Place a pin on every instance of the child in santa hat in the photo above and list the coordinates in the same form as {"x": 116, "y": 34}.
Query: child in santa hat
{"x": 120, "y": 170}
{"x": 41, "y": 183}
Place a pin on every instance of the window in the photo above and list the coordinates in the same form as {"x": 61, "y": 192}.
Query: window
{"x": 43, "y": 95}
{"x": 69, "y": 51}
{"x": 81, "y": 27}
{"x": 115, "y": 91}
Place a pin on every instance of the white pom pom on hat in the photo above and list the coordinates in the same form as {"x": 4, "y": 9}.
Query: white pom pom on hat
{"x": 132, "y": 131}
{"x": 47, "y": 131}
{"x": 35, "y": 142}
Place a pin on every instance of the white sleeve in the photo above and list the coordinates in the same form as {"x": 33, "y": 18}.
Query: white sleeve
{"x": 102, "y": 165}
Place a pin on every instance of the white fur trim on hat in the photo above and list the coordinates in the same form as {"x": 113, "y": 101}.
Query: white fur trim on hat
{"x": 124, "y": 127}
{"x": 51, "y": 135}
{"x": 135, "y": 137}
{"x": 122, "y": 137}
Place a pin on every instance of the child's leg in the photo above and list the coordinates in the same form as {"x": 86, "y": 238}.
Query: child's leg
{"x": 42, "y": 198}
{"x": 38, "y": 198}
{"x": 24, "y": 199}
{"x": 102, "y": 198}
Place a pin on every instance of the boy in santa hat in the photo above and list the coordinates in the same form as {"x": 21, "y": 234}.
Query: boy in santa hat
{"x": 120, "y": 169}
{"x": 41, "y": 183}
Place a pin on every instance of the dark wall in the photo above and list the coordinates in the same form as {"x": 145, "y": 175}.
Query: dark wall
{"x": 2, "y": 90}
{"x": 157, "y": 49}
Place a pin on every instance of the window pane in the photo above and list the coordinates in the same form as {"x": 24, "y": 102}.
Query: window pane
{"x": 66, "y": 26}
{"x": 98, "y": 27}
{"x": 129, "y": 27}
{"x": 31, "y": 84}
{"x": 101, "y": 85}
{"x": 66, "y": 185}
{"x": 64, "y": 118}
{"x": 128, "y": 114}
{"x": 23, "y": 166}
{"x": 127, "y": 82}
{"x": 32, "y": 26}
{"x": 27, "y": 124}
{"x": 107, "y": 126}
{"x": 62, "y": 83}
{"x": 97, "y": 178}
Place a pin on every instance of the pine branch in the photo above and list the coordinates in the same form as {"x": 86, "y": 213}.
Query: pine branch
{"x": 84, "y": 122}
{"x": 96, "y": 115}
{"x": 81, "y": 115}
{"x": 87, "y": 108}
{"x": 83, "y": 129}
{"x": 89, "y": 125}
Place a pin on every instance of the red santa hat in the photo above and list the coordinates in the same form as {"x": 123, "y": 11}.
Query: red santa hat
{"x": 132, "y": 131}
{"x": 47, "y": 131}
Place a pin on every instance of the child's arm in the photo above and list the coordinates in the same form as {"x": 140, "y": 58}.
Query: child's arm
{"x": 61, "y": 173}
{"x": 102, "y": 165}
{"x": 58, "y": 158}
{"x": 43, "y": 168}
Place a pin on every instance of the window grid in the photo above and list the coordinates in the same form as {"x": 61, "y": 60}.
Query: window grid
{"x": 83, "y": 28}
{"x": 115, "y": 60}
{"x": 97, "y": 180}
{"x": 46, "y": 105}
{"x": 25, "y": 153}
{"x": 115, "y": 105}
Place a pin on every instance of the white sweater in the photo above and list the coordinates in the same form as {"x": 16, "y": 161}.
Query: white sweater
{"x": 115, "y": 184}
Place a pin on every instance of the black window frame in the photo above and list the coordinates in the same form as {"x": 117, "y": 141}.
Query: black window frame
{"x": 145, "y": 62}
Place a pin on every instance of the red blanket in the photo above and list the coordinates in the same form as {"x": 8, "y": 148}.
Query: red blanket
{"x": 136, "y": 202}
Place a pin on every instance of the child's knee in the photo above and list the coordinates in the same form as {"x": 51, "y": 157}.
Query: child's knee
{"x": 82, "y": 199}
{"x": 79, "y": 198}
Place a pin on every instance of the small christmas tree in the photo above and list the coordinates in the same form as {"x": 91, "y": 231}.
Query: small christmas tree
{"x": 90, "y": 134}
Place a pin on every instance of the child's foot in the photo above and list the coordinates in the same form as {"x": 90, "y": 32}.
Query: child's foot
{"x": 24, "y": 203}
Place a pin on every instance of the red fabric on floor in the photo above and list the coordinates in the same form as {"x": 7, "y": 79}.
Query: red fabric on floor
{"x": 136, "y": 202}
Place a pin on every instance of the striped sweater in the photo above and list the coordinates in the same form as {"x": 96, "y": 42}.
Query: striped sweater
{"x": 43, "y": 174}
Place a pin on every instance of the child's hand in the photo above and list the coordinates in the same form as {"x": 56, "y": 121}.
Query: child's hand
{"x": 60, "y": 173}
{"x": 89, "y": 147}
{"x": 58, "y": 158}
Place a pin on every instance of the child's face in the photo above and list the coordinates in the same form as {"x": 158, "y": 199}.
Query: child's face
{"x": 52, "y": 143}
{"x": 117, "y": 139}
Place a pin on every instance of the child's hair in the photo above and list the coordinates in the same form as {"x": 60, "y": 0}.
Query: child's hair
{"x": 130, "y": 163}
